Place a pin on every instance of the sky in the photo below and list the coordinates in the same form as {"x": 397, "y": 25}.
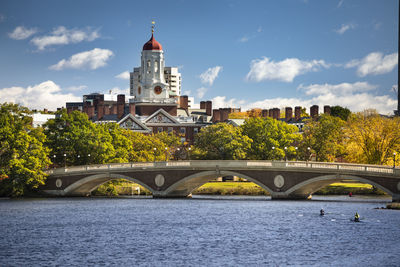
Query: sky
{"x": 248, "y": 54}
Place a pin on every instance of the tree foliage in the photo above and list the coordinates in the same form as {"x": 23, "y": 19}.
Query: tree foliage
{"x": 341, "y": 112}
{"x": 372, "y": 139}
{"x": 23, "y": 158}
{"x": 268, "y": 133}
{"x": 324, "y": 138}
{"x": 221, "y": 141}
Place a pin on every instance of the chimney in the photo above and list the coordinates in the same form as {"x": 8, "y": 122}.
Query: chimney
{"x": 314, "y": 112}
{"x": 224, "y": 114}
{"x": 208, "y": 106}
{"x": 276, "y": 113}
{"x": 216, "y": 115}
{"x": 264, "y": 113}
{"x": 202, "y": 104}
{"x": 297, "y": 113}
{"x": 327, "y": 110}
{"x": 271, "y": 113}
{"x": 132, "y": 109}
{"x": 288, "y": 114}
{"x": 90, "y": 111}
{"x": 100, "y": 110}
{"x": 184, "y": 101}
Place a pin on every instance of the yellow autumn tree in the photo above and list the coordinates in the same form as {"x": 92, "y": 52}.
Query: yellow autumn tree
{"x": 371, "y": 138}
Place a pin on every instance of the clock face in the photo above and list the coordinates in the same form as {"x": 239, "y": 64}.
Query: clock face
{"x": 157, "y": 90}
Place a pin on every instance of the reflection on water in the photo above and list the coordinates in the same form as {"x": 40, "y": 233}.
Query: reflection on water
{"x": 217, "y": 231}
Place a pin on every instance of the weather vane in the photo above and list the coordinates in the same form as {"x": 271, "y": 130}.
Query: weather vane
{"x": 152, "y": 26}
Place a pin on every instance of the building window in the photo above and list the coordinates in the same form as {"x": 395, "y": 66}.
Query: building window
{"x": 156, "y": 66}
{"x": 160, "y": 129}
{"x": 170, "y": 130}
{"x": 195, "y": 130}
{"x": 182, "y": 130}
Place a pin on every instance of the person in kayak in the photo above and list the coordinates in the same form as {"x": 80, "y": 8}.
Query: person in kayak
{"x": 322, "y": 212}
{"x": 356, "y": 217}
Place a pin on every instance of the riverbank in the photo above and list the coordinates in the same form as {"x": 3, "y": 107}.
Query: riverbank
{"x": 242, "y": 188}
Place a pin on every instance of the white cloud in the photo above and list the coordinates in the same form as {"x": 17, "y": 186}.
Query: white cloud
{"x": 123, "y": 75}
{"x": 209, "y": 76}
{"x": 21, "y": 33}
{"x": 285, "y": 70}
{"x": 337, "y": 89}
{"x": 344, "y": 28}
{"x": 187, "y": 92}
{"x": 63, "y": 36}
{"x": 118, "y": 91}
{"x": 92, "y": 59}
{"x": 354, "y": 96}
{"x": 340, "y": 3}
{"x": 201, "y": 92}
{"x": 374, "y": 63}
{"x": 45, "y": 95}
{"x": 2, "y": 18}
{"x": 77, "y": 88}
{"x": 244, "y": 39}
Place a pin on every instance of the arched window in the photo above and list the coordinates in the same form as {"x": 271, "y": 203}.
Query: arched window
{"x": 148, "y": 66}
{"x": 156, "y": 66}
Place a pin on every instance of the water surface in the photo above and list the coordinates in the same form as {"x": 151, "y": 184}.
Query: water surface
{"x": 214, "y": 231}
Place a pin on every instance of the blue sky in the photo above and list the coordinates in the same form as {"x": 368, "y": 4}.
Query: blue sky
{"x": 245, "y": 54}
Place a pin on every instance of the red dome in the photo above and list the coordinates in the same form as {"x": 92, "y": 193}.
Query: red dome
{"x": 152, "y": 44}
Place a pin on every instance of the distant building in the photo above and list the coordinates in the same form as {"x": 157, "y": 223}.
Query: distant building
{"x": 155, "y": 103}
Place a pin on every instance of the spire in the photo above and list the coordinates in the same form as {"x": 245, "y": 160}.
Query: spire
{"x": 153, "y": 24}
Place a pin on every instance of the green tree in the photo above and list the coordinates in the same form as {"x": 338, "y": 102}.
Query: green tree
{"x": 341, "y": 112}
{"x": 80, "y": 140}
{"x": 270, "y": 137}
{"x": 324, "y": 138}
{"x": 372, "y": 139}
{"x": 221, "y": 141}
{"x": 23, "y": 158}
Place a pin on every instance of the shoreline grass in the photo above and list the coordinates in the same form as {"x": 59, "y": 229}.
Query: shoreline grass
{"x": 243, "y": 188}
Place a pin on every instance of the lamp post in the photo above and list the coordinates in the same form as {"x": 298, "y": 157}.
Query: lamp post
{"x": 154, "y": 149}
{"x": 166, "y": 152}
{"x": 65, "y": 160}
{"x": 296, "y": 152}
{"x": 54, "y": 161}
{"x": 88, "y": 159}
{"x": 394, "y": 160}
{"x": 178, "y": 153}
{"x": 285, "y": 153}
{"x": 273, "y": 150}
{"x": 309, "y": 153}
{"x": 189, "y": 152}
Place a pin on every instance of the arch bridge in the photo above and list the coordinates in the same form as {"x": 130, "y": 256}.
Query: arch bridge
{"x": 282, "y": 179}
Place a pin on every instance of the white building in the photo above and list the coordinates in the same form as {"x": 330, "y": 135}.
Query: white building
{"x": 152, "y": 81}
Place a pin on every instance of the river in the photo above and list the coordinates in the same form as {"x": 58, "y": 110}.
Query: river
{"x": 211, "y": 231}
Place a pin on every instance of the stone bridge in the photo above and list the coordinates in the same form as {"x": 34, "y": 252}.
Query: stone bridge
{"x": 282, "y": 179}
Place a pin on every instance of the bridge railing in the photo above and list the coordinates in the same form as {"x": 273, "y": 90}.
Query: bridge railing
{"x": 231, "y": 163}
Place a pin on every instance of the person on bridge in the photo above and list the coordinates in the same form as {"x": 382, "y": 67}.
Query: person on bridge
{"x": 356, "y": 217}
{"x": 322, "y": 212}
{"x": 350, "y": 194}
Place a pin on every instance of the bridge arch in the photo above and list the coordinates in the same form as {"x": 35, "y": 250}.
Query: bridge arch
{"x": 86, "y": 185}
{"x": 310, "y": 186}
{"x": 188, "y": 184}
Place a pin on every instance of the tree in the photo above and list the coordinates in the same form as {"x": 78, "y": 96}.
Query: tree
{"x": 221, "y": 141}
{"x": 23, "y": 158}
{"x": 270, "y": 137}
{"x": 338, "y": 111}
{"x": 371, "y": 138}
{"x": 74, "y": 140}
{"x": 324, "y": 138}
